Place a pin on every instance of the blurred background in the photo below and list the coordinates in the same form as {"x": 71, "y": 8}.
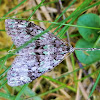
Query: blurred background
{"x": 77, "y": 77}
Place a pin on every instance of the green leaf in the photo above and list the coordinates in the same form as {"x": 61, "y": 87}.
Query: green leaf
{"x": 89, "y": 20}
{"x": 87, "y": 57}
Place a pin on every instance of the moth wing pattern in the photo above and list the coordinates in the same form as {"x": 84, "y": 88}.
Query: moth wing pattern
{"x": 36, "y": 58}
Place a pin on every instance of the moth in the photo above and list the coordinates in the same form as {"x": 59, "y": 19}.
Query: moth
{"x": 36, "y": 58}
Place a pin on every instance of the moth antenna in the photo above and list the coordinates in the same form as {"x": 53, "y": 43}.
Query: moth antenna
{"x": 87, "y": 49}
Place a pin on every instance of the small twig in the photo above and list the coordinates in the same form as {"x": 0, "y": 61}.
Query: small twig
{"x": 78, "y": 90}
{"x": 39, "y": 16}
{"x": 44, "y": 11}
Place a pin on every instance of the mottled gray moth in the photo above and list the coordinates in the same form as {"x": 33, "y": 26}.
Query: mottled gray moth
{"x": 36, "y": 58}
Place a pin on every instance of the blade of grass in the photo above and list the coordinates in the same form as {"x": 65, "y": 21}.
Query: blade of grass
{"x": 64, "y": 75}
{"x": 58, "y": 82}
{"x": 5, "y": 71}
{"x": 4, "y": 60}
{"x": 62, "y": 32}
{"x": 89, "y": 75}
{"x": 14, "y": 8}
{"x": 65, "y": 10}
{"x": 73, "y": 66}
{"x": 2, "y": 30}
{"x": 28, "y": 92}
{"x": 6, "y": 96}
{"x": 51, "y": 91}
{"x": 0, "y": 2}
{"x": 5, "y": 49}
{"x": 62, "y": 15}
{"x": 95, "y": 84}
{"x": 31, "y": 93}
{"x": 73, "y": 15}
{"x": 3, "y": 84}
{"x": 1, "y": 80}
{"x": 21, "y": 92}
{"x": 74, "y": 25}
